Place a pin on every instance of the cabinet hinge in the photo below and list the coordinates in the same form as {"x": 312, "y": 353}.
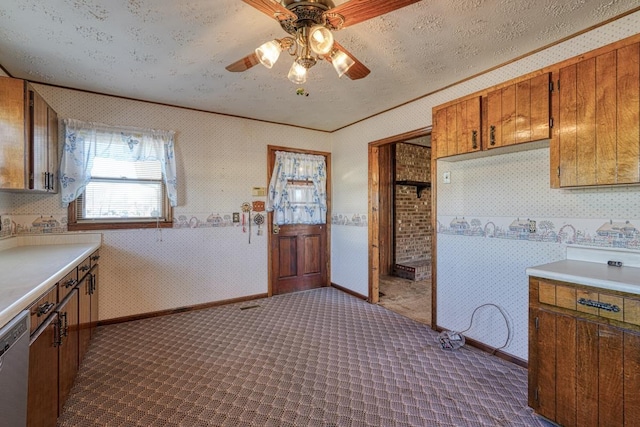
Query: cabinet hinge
{"x": 558, "y": 170}
{"x": 551, "y": 122}
{"x": 558, "y": 85}
{"x": 550, "y": 86}
{"x": 537, "y": 323}
{"x": 536, "y": 394}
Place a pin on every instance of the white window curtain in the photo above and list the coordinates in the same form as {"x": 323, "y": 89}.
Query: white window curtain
{"x": 298, "y": 189}
{"x": 85, "y": 141}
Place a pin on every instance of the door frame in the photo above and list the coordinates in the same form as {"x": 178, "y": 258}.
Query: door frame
{"x": 271, "y": 156}
{"x": 374, "y": 214}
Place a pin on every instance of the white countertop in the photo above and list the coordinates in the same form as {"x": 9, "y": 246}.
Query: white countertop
{"x": 588, "y": 266}
{"x": 623, "y": 279}
{"x": 30, "y": 266}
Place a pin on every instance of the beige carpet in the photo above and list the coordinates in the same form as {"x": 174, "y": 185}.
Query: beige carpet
{"x": 315, "y": 358}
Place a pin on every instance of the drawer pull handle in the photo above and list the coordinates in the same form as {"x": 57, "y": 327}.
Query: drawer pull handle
{"x": 70, "y": 283}
{"x": 601, "y": 305}
{"x": 95, "y": 257}
{"x": 84, "y": 268}
{"x": 44, "y": 308}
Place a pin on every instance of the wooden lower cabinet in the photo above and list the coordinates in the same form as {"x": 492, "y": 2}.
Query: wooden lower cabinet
{"x": 582, "y": 371}
{"x": 42, "y": 401}
{"x": 61, "y": 340}
{"x": 69, "y": 345}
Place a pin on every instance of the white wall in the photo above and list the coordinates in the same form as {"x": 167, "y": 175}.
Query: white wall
{"x": 219, "y": 159}
{"x": 472, "y": 270}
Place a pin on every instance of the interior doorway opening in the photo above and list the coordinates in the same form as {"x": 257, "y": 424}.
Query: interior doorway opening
{"x": 401, "y": 230}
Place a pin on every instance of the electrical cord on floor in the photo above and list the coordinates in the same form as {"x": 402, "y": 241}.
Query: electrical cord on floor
{"x": 505, "y": 320}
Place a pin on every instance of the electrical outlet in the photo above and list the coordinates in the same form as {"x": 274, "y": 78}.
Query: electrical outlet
{"x": 236, "y": 217}
{"x": 532, "y": 226}
{"x": 446, "y": 177}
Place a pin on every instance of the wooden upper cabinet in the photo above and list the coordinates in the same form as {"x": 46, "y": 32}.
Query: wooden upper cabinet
{"x": 457, "y": 128}
{"x": 12, "y": 134}
{"x": 519, "y": 112}
{"x": 28, "y": 138}
{"x": 598, "y": 126}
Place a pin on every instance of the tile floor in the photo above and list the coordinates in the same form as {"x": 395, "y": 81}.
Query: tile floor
{"x": 409, "y": 298}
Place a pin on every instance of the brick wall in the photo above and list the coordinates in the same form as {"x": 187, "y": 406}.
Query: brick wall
{"x": 412, "y": 214}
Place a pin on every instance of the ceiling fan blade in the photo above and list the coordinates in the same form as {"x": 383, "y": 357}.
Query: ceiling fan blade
{"x": 356, "y": 11}
{"x": 272, "y": 8}
{"x": 243, "y": 64}
{"x": 357, "y": 70}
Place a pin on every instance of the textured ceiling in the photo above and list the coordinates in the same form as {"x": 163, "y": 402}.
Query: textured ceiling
{"x": 175, "y": 52}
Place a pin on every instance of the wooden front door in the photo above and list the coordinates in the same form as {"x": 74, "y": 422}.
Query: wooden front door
{"x": 298, "y": 254}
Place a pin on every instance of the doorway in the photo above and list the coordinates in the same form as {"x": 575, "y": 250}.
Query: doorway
{"x": 401, "y": 228}
{"x": 299, "y": 253}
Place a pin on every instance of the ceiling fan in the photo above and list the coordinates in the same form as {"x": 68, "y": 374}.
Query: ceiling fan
{"x": 310, "y": 24}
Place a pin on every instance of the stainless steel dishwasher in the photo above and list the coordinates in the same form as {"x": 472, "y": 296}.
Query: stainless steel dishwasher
{"x": 14, "y": 371}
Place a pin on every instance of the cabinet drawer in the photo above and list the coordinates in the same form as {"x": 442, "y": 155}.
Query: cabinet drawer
{"x": 84, "y": 267}
{"x": 42, "y": 308}
{"x": 603, "y": 304}
{"x": 67, "y": 284}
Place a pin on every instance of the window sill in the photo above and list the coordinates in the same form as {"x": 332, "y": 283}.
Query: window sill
{"x": 118, "y": 226}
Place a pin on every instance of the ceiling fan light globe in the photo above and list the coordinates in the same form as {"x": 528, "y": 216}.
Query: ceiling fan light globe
{"x": 297, "y": 73}
{"x": 341, "y": 62}
{"x": 268, "y": 53}
{"x": 320, "y": 40}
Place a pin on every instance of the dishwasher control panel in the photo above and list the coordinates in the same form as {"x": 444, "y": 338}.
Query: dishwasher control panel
{"x": 12, "y": 332}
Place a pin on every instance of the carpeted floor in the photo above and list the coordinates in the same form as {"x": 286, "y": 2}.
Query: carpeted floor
{"x": 315, "y": 358}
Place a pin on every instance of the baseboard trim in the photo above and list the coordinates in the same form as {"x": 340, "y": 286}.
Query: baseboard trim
{"x": 349, "y": 291}
{"x": 488, "y": 349}
{"x": 179, "y": 310}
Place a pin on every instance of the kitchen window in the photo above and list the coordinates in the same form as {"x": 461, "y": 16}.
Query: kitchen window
{"x": 117, "y": 177}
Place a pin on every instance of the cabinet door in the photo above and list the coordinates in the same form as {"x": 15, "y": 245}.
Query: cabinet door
{"x": 39, "y": 139}
{"x": 519, "y": 113}
{"x": 631, "y": 377}
{"x": 52, "y": 150}
{"x": 68, "y": 366}
{"x": 42, "y": 401}
{"x": 456, "y": 128}
{"x": 13, "y": 152}
{"x": 439, "y": 133}
{"x": 583, "y": 373}
{"x": 599, "y": 125}
{"x": 95, "y": 273}
{"x": 84, "y": 320}
{"x": 542, "y": 363}
{"x": 43, "y": 143}
{"x": 610, "y": 376}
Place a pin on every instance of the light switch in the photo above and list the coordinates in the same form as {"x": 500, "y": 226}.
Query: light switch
{"x": 446, "y": 177}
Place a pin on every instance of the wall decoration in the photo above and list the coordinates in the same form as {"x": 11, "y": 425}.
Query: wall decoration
{"x": 351, "y": 220}
{"x": 611, "y": 233}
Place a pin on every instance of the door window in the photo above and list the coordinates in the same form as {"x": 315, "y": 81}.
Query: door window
{"x": 298, "y": 189}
